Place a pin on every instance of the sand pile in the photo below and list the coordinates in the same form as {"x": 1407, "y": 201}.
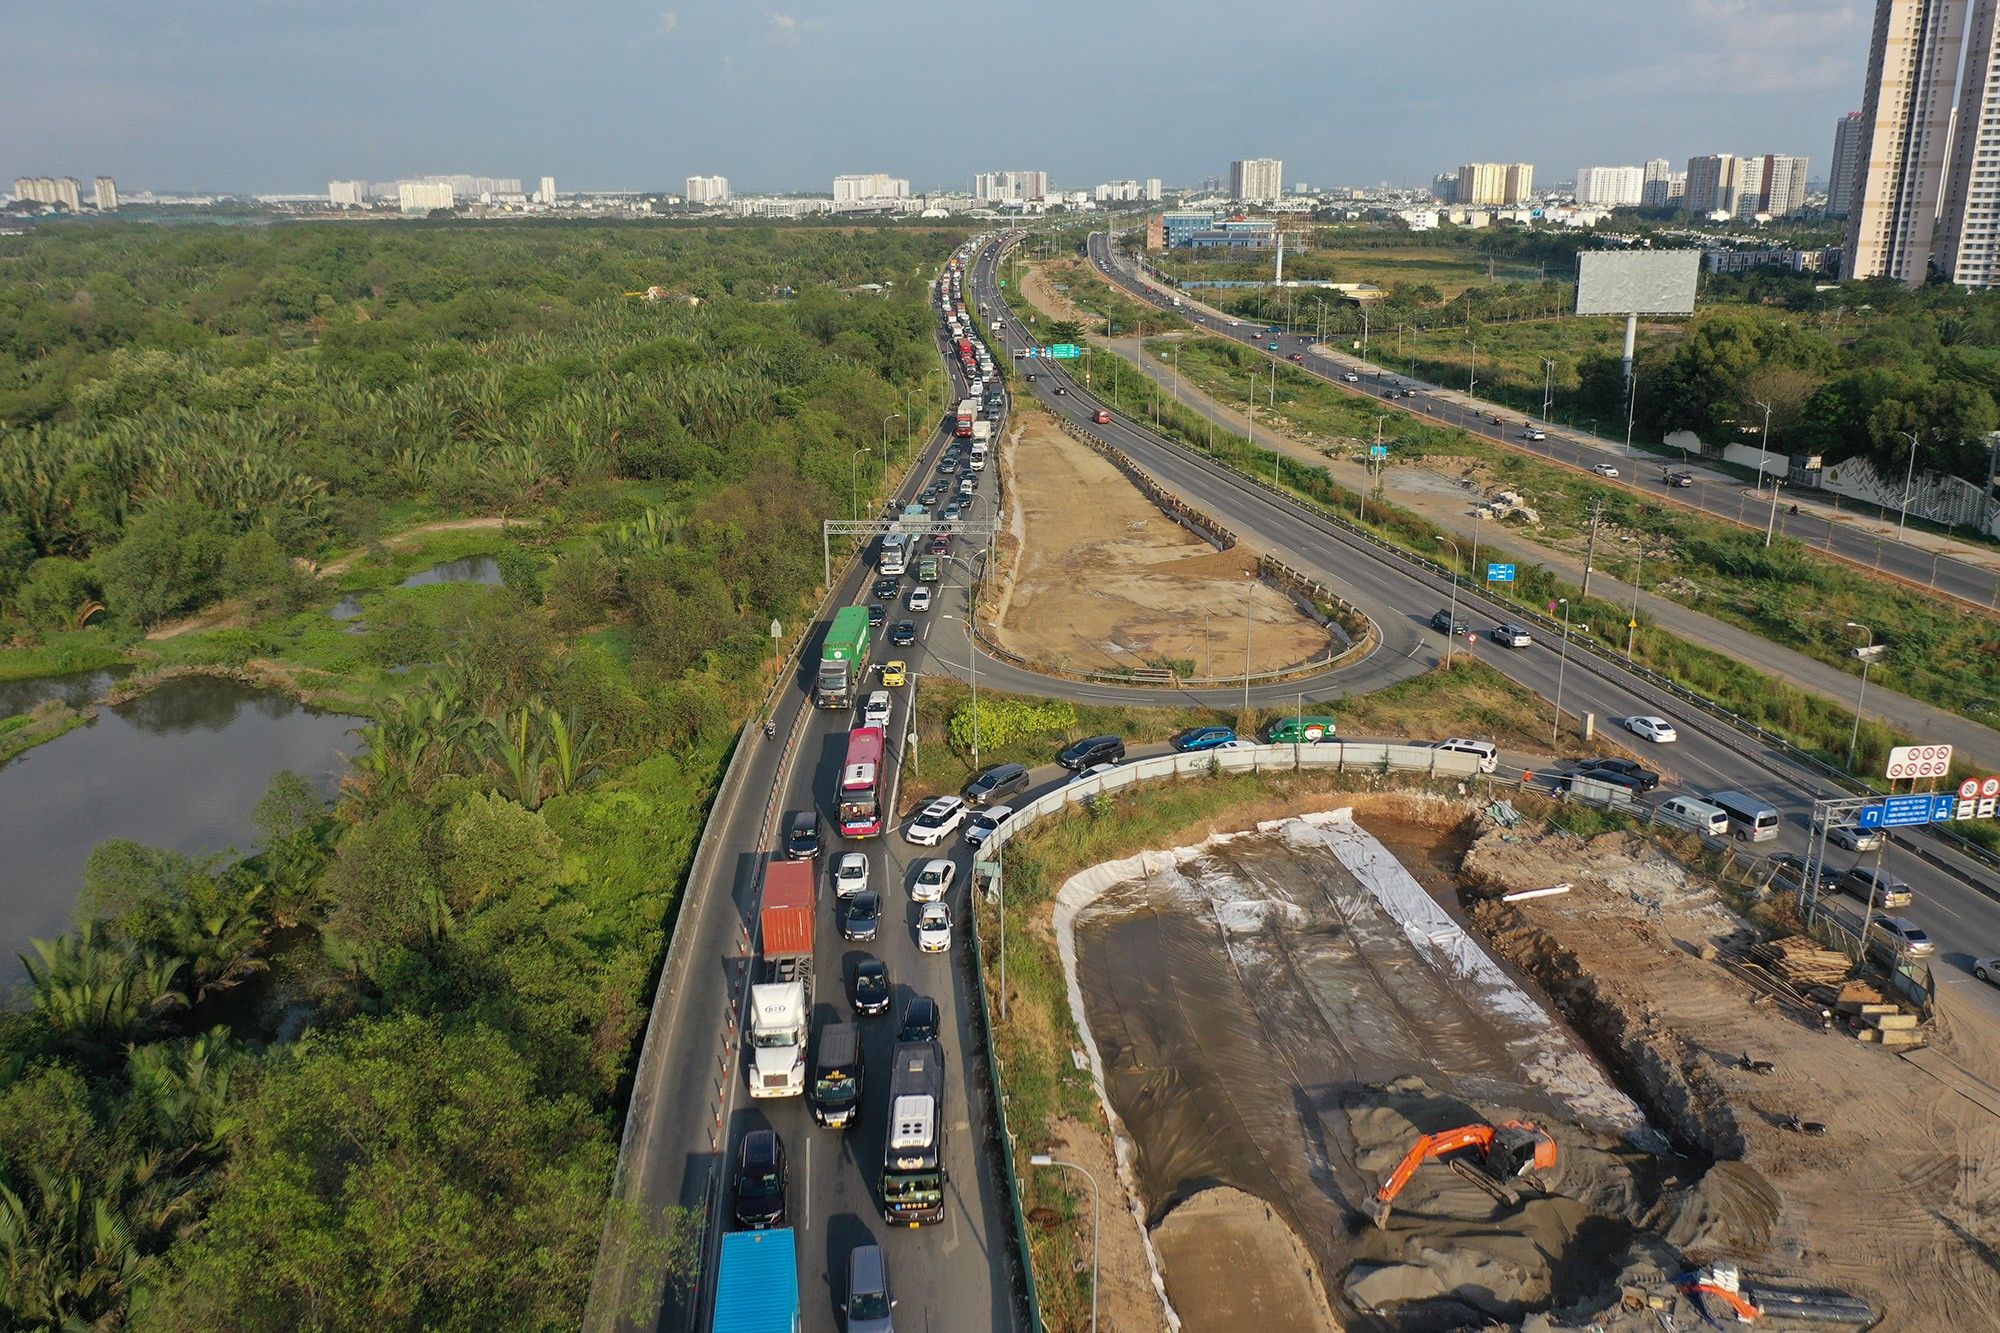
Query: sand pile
{"x": 1232, "y": 1263}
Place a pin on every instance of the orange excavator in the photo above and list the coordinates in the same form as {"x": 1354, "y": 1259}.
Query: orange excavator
{"x": 1489, "y": 1156}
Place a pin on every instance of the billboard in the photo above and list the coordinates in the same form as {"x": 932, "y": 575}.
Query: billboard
{"x": 1636, "y": 282}
{"x": 1919, "y": 761}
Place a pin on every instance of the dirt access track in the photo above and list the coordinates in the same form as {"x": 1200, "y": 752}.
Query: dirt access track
{"x": 1103, "y": 580}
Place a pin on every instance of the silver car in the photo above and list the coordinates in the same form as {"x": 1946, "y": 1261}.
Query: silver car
{"x": 869, "y": 1306}
{"x": 1855, "y": 839}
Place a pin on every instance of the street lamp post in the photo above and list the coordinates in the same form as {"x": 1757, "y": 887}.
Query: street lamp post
{"x": 1771, "y": 524}
{"x": 1867, "y": 660}
{"x": 1909, "y": 479}
{"x": 1096, "y": 1221}
{"x": 1451, "y": 616}
{"x": 1562, "y": 667}
{"x": 1471, "y": 368}
{"x": 1548, "y": 387}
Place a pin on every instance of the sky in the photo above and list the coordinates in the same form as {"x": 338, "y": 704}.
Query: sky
{"x": 280, "y": 96}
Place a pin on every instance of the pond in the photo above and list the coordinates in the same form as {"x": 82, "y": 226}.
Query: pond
{"x": 74, "y": 689}
{"x": 179, "y": 767}
{"x": 472, "y": 569}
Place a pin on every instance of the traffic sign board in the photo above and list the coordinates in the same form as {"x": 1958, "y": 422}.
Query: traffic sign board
{"x": 1941, "y": 806}
{"x": 1968, "y": 789}
{"x": 1378, "y": 451}
{"x": 1900, "y": 811}
{"x": 1869, "y": 816}
{"x": 1500, "y": 573}
{"x": 1065, "y": 351}
{"x": 1919, "y": 761}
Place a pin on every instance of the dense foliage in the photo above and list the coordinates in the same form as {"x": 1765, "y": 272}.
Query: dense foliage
{"x": 369, "y": 1076}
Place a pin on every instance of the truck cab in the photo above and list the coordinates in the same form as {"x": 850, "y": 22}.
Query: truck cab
{"x": 778, "y": 1013}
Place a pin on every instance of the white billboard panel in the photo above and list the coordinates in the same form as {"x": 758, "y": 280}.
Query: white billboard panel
{"x": 1636, "y": 282}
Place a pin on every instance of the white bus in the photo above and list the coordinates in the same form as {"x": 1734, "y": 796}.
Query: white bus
{"x": 895, "y": 554}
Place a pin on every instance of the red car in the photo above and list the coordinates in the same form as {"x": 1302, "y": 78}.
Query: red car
{"x": 1299, "y": 357}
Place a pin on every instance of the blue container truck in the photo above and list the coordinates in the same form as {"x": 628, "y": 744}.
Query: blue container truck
{"x": 757, "y": 1287}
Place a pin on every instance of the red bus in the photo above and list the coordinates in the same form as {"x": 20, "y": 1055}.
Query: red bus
{"x": 860, "y": 783}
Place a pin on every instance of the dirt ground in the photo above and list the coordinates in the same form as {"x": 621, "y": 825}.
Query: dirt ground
{"x": 1038, "y": 284}
{"x": 1206, "y": 1246}
{"x": 1103, "y": 579}
{"x": 1898, "y": 1203}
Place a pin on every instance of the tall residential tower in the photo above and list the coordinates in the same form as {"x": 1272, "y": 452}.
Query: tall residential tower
{"x": 1905, "y": 128}
{"x": 1968, "y": 241}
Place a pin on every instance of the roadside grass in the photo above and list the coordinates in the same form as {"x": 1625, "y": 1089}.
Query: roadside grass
{"x": 1468, "y": 698}
{"x": 62, "y": 652}
{"x": 1510, "y": 356}
{"x": 1042, "y": 1086}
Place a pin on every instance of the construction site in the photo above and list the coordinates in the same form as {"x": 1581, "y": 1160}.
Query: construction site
{"x": 1431, "y": 1064}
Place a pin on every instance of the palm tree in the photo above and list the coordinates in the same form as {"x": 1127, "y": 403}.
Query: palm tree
{"x": 96, "y": 993}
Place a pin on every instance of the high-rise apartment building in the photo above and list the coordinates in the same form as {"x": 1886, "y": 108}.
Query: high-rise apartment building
{"x": 1610, "y": 187}
{"x": 1444, "y": 187}
{"x": 1153, "y": 189}
{"x": 1747, "y": 196}
{"x": 1846, "y": 160}
{"x": 1711, "y": 184}
{"x": 347, "y": 194}
{"x": 1783, "y": 188}
{"x": 863, "y": 188}
{"x": 708, "y": 189}
{"x": 1968, "y": 241}
{"x": 105, "y": 189}
{"x": 64, "y": 190}
{"x": 1653, "y": 183}
{"x": 1494, "y": 183}
{"x": 1010, "y": 187}
{"x": 423, "y": 196}
{"x": 547, "y": 194}
{"x": 1906, "y": 128}
{"x": 1257, "y": 180}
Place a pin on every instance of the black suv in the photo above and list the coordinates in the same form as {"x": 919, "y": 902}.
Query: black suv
{"x": 920, "y": 1020}
{"x": 903, "y": 633}
{"x": 760, "y": 1180}
{"x": 1625, "y": 772}
{"x": 997, "y": 784}
{"x": 1445, "y": 623}
{"x": 886, "y": 588}
{"x": 1096, "y": 750}
{"x": 802, "y": 836}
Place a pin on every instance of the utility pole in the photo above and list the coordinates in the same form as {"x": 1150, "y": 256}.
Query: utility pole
{"x": 1590, "y": 548}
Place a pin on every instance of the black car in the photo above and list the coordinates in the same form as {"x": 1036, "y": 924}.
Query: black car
{"x": 802, "y": 836}
{"x": 996, "y": 784}
{"x": 876, "y": 615}
{"x": 1095, "y": 750}
{"x": 1625, "y": 772}
{"x": 1060, "y": 389}
{"x": 885, "y": 589}
{"x": 869, "y": 989}
{"x": 760, "y": 1180}
{"x": 920, "y": 1020}
{"x": 861, "y": 916}
{"x": 1446, "y": 623}
{"x": 902, "y": 634}
{"x": 1790, "y": 869}
{"x": 949, "y": 465}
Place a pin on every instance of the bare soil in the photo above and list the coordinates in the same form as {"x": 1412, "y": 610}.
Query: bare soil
{"x": 1126, "y": 1297}
{"x": 1104, "y": 579}
{"x": 1898, "y": 1203}
{"x": 1232, "y": 1263}
{"x": 1038, "y": 284}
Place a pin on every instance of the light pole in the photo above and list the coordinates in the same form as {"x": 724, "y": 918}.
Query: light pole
{"x": 1631, "y": 410}
{"x": 1632, "y": 621}
{"x": 1771, "y": 524}
{"x": 1096, "y": 1221}
{"x": 1867, "y": 660}
{"x": 1471, "y": 368}
{"x": 1451, "y": 616}
{"x": 854, "y": 480}
{"x": 1562, "y": 667}
{"x": 1909, "y": 478}
{"x": 1548, "y": 387}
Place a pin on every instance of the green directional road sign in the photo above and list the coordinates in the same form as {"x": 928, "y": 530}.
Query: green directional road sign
{"x": 1065, "y": 351}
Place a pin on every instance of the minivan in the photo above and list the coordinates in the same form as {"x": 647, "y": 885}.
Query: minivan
{"x": 1749, "y": 818}
{"x": 1296, "y": 729}
{"x": 1486, "y": 752}
{"x": 868, "y": 1299}
{"x": 1866, "y": 881}
{"x": 997, "y": 783}
{"x": 1695, "y": 816}
{"x": 1095, "y": 750}
{"x": 837, "y": 1071}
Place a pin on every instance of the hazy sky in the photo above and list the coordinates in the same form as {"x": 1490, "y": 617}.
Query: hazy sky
{"x": 283, "y": 95}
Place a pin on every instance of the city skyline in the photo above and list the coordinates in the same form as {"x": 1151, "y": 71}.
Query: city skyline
{"x": 268, "y": 101}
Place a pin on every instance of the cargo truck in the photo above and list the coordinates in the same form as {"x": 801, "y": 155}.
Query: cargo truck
{"x": 982, "y": 436}
{"x": 757, "y": 1284}
{"x": 781, "y": 1000}
{"x": 841, "y": 657}
{"x": 968, "y": 413}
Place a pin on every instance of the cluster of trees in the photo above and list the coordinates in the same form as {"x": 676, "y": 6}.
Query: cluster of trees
{"x": 369, "y": 1076}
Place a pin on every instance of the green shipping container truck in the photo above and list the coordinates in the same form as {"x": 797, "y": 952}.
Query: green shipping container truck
{"x": 840, "y": 658}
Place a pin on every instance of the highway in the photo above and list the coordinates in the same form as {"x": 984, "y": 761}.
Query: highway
{"x": 1725, "y": 498}
{"x": 1954, "y": 903}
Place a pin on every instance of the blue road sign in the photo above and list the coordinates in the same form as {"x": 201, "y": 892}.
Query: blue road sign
{"x": 1900, "y": 811}
{"x": 1500, "y": 573}
{"x": 1869, "y": 816}
{"x": 1065, "y": 351}
{"x": 1378, "y": 451}
{"x": 1942, "y": 806}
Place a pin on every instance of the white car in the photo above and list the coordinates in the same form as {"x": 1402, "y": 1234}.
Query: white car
{"x": 1351, "y": 377}
{"x": 982, "y": 822}
{"x": 936, "y": 821}
{"x": 1655, "y": 729}
{"x": 1238, "y": 744}
{"x": 850, "y": 874}
{"x": 1095, "y": 770}
{"x": 933, "y": 881}
{"x": 920, "y": 598}
{"x": 1604, "y": 469}
{"x": 1531, "y": 433}
{"x": 1987, "y": 970}
{"x": 875, "y": 713}
{"x": 934, "y": 929}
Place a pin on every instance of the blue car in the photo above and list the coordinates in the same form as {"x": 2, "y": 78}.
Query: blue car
{"x": 1203, "y": 738}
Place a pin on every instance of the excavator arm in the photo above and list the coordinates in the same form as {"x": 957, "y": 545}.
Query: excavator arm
{"x": 1522, "y": 1147}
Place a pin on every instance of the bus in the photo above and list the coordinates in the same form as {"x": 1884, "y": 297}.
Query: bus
{"x": 913, "y": 1176}
{"x": 895, "y": 554}
{"x": 860, "y": 783}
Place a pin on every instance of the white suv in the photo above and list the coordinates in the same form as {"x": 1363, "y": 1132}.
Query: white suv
{"x": 875, "y": 713}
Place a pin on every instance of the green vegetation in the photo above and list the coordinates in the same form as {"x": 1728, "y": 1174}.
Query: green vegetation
{"x": 370, "y": 1075}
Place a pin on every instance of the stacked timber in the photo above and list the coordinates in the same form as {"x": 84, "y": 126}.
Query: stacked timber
{"x": 1803, "y": 963}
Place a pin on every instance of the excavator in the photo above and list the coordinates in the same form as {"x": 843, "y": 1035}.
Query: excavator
{"x": 1488, "y": 1156}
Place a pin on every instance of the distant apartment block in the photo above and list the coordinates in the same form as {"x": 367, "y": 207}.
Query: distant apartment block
{"x": 1010, "y": 187}
{"x": 1711, "y": 184}
{"x": 1847, "y": 136}
{"x": 1906, "y": 116}
{"x": 1798, "y": 261}
{"x": 708, "y": 189}
{"x": 1653, "y": 183}
{"x": 347, "y": 194}
{"x": 1968, "y": 243}
{"x": 547, "y": 194}
{"x": 423, "y": 196}
{"x": 1610, "y": 187}
{"x": 105, "y": 190}
{"x": 1488, "y": 183}
{"x": 1257, "y": 180}
{"x": 869, "y": 188}
{"x": 1118, "y": 192}
{"x": 1748, "y": 193}
{"x": 1783, "y": 189}
{"x": 66, "y": 191}
{"x": 1444, "y": 187}
{"x": 1153, "y": 189}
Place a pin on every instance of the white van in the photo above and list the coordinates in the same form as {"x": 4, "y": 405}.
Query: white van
{"x": 1485, "y": 752}
{"x": 1695, "y": 816}
{"x": 1749, "y": 818}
